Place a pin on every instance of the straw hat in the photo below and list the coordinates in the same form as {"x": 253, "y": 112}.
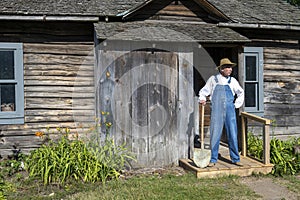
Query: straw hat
{"x": 226, "y": 61}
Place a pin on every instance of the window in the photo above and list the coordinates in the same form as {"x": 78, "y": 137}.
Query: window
{"x": 11, "y": 83}
{"x": 253, "y": 73}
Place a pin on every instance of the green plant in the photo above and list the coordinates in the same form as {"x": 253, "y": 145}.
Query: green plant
{"x": 255, "y": 146}
{"x": 5, "y": 188}
{"x": 11, "y": 167}
{"x": 13, "y": 164}
{"x": 282, "y": 155}
{"x": 88, "y": 159}
{"x": 112, "y": 156}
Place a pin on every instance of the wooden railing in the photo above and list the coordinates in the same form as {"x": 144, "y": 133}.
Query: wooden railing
{"x": 266, "y": 135}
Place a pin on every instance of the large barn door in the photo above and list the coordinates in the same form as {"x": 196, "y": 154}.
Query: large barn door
{"x": 141, "y": 92}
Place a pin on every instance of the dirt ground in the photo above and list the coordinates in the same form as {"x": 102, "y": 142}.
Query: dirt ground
{"x": 268, "y": 188}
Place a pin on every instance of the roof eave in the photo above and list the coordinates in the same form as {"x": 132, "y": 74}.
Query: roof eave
{"x": 126, "y": 14}
{"x": 49, "y": 18}
{"x": 292, "y": 27}
{"x": 167, "y": 32}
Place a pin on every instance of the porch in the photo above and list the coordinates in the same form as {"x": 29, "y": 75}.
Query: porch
{"x": 224, "y": 166}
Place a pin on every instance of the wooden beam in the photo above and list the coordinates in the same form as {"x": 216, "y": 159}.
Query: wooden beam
{"x": 266, "y": 135}
{"x": 244, "y": 144}
{"x": 266, "y": 141}
{"x": 256, "y": 118}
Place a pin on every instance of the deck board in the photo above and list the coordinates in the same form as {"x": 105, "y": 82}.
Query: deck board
{"x": 224, "y": 167}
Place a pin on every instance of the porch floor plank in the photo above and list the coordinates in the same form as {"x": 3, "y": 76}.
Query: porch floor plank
{"x": 224, "y": 167}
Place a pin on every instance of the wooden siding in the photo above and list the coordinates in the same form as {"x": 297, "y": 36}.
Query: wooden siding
{"x": 174, "y": 10}
{"x": 281, "y": 86}
{"x": 150, "y": 95}
{"x": 58, "y": 82}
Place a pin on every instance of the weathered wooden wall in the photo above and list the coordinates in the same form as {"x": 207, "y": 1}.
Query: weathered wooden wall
{"x": 58, "y": 80}
{"x": 149, "y": 94}
{"x": 183, "y": 10}
{"x": 282, "y": 86}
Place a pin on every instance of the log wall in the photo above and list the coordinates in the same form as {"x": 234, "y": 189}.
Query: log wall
{"x": 282, "y": 87}
{"x": 58, "y": 80}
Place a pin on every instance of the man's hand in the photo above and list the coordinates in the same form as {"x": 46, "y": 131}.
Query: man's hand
{"x": 203, "y": 102}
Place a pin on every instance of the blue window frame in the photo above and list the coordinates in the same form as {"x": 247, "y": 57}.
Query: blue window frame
{"x": 11, "y": 83}
{"x": 253, "y": 73}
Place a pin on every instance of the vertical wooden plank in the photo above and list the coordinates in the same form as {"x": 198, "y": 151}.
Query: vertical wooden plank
{"x": 172, "y": 139}
{"x": 156, "y": 116}
{"x": 104, "y": 87}
{"x": 244, "y": 144}
{"x": 196, "y": 125}
{"x": 122, "y": 89}
{"x": 162, "y": 108}
{"x": 111, "y": 68}
{"x": 139, "y": 108}
{"x": 169, "y": 74}
{"x": 185, "y": 103}
{"x": 266, "y": 141}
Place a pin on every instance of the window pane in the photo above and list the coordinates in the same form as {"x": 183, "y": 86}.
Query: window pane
{"x": 251, "y": 68}
{"x": 250, "y": 95}
{"x": 7, "y": 65}
{"x": 8, "y": 99}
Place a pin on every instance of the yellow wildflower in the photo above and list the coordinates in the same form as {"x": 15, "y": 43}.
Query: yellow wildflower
{"x": 108, "y": 124}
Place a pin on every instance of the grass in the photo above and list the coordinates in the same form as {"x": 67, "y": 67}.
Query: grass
{"x": 169, "y": 187}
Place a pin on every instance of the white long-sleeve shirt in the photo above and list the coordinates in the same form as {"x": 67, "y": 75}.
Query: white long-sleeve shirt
{"x": 234, "y": 85}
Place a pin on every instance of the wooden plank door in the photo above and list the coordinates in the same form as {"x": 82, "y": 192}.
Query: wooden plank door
{"x": 140, "y": 89}
{"x": 153, "y": 106}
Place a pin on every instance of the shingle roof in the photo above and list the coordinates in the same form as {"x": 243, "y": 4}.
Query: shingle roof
{"x": 171, "y": 32}
{"x": 259, "y": 11}
{"x": 66, "y": 7}
{"x": 244, "y": 11}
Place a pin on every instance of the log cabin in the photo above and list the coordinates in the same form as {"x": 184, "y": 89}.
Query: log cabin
{"x": 63, "y": 63}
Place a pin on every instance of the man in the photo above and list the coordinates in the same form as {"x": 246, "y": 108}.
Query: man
{"x": 222, "y": 90}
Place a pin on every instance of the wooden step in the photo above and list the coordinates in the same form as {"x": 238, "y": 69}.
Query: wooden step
{"x": 224, "y": 167}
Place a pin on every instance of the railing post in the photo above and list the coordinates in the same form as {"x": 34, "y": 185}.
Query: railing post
{"x": 244, "y": 144}
{"x": 266, "y": 135}
{"x": 266, "y": 141}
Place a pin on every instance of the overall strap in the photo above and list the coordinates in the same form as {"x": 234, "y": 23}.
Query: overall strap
{"x": 229, "y": 81}
{"x": 216, "y": 79}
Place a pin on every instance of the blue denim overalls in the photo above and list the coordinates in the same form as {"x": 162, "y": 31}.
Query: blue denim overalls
{"x": 223, "y": 111}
